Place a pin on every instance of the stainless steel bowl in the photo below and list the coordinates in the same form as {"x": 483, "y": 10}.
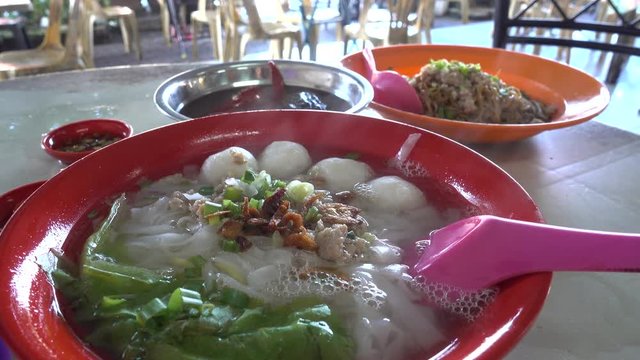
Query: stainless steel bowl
{"x": 173, "y": 94}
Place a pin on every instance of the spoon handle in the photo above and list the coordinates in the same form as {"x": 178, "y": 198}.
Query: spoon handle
{"x": 370, "y": 63}
{"x": 481, "y": 251}
{"x": 541, "y": 247}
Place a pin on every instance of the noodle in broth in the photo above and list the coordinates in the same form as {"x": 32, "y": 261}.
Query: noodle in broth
{"x": 247, "y": 266}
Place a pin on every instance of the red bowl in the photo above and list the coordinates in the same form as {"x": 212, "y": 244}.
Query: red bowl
{"x": 70, "y": 133}
{"x": 59, "y": 215}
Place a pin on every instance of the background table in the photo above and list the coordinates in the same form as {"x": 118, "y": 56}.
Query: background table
{"x": 586, "y": 176}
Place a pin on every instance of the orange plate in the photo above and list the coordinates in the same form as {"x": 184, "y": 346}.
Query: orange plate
{"x": 577, "y": 95}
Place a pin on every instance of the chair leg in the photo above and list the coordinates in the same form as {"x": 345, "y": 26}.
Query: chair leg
{"x": 164, "y": 19}
{"x": 195, "y": 30}
{"x": 279, "y": 48}
{"x": 244, "y": 40}
{"x": 135, "y": 37}
{"x": 345, "y": 39}
{"x": 464, "y": 11}
{"x": 125, "y": 34}
{"x": 87, "y": 42}
{"x": 215, "y": 32}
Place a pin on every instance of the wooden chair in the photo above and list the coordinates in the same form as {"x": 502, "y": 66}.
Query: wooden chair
{"x": 212, "y": 17}
{"x": 51, "y": 55}
{"x": 128, "y": 27}
{"x": 281, "y": 34}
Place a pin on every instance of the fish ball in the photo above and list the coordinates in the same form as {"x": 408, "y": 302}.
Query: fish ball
{"x": 339, "y": 174}
{"x": 394, "y": 194}
{"x": 232, "y": 162}
{"x": 284, "y": 159}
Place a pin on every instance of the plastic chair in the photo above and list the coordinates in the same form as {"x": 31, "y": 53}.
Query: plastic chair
{"x": 404, "y": 26}
{"x": 396, "y": 29}
{"x": 323, "y": 14}
{"x": 50, "y": 55}
{"x": 356, "y": 31}
{"x": 464, "y": 9}
{"x": 128, "y": 26}
{"x": 212, "y": 18}
{"x": 279, "y": 32}
{"x": 165, "y": 21}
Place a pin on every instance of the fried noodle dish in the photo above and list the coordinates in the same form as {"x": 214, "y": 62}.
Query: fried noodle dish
{"x": 458, "y": 91}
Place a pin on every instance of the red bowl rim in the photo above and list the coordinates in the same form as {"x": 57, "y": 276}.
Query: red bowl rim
{"x": 66, "y": 156}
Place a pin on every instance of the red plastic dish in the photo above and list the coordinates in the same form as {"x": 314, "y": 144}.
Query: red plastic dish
{"x": 72, "y": 132}
{"x": 61, "y": 213}
{"x": 12, "y": 199}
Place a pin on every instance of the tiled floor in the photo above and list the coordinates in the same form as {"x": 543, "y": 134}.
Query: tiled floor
{"x": 623, "y": 111}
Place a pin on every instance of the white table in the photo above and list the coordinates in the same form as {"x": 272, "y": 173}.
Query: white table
{"x": 586, "y": 176}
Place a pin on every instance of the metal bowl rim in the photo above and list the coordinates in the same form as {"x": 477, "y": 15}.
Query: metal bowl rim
{"x": 367, "y": 89}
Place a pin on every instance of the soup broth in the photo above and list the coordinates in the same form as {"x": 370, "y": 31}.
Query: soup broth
{"x": 294, "y": 97}
{"x": 235, "y": 263}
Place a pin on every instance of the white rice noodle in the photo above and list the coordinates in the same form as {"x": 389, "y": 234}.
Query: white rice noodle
{"x": 407, "y": 226}
{"x": 158, "y": 251}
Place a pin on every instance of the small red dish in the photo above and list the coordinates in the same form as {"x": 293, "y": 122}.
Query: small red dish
{"x": 11, "y": 200}
{"x": 76, "y": 140}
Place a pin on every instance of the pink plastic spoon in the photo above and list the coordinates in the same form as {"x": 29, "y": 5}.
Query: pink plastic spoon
{"x": 390, "y": 88}
{"x": 481, "y": 251}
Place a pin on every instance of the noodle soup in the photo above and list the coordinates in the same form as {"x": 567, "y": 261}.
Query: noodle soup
{"x": 269, "y": 257}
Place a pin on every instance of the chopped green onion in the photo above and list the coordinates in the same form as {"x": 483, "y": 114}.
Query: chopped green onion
{"x": 248, "y": 177}
{"x": 233, "y": 193}
{"x": 206, "y": 190}
{"x": 153, "y": 308}
{"x": 230, "y": 246}
{"x": 299, "y": 190}
{"x": 111, "y": 302}
{"x": 311, "y": 215}
{"x": 278, "y": 184}
{"x": 235, "y": 298}
{"x": 351, "y": 235}
{"x": 211, "y": 208}
{"x": 255, "y": 203}
{"x": 182, "y": 298}
{"x": 231, "y": 206}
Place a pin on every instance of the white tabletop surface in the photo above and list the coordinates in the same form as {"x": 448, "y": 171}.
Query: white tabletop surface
{"x": 586, "y": 176}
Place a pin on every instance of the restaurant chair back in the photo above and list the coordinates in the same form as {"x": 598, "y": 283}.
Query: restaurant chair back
{"x": 356, "y": 31}
{"x": 402, "y": 27}
{"x": 626, "y": 26}
{"x": 51, "y": 55}
{"x": 281, "y": 34}
{"x": 212, "y": 17}
{"x": 128, "y": 27}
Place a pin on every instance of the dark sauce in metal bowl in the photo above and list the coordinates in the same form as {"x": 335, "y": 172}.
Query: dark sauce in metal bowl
{"x": 263, "y": 97}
